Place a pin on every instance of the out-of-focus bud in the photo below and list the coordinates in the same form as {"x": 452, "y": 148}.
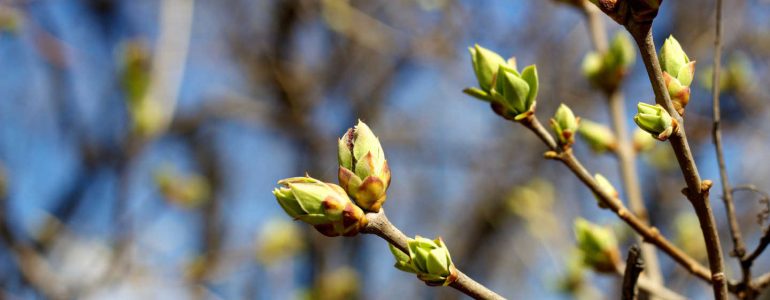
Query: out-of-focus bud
{"x": 678, "y": 72}
{"x": 326, "y": 206}
{"x": 533, "y": 202}
{"x": 597, "y": 245}
{"x": 599, "y": 137}
{"x": 186, "y": 191}
{"x": 565, "y": 125}
{"x": 340, "y": 283}
{"x": 607, "y": 187}
{"x": 429, "y": 259}
{"x": 737, "y": 76}
{"x": 10, "y": 18}
{"x": 607, "y": 70}
{"x": 689, "y": 236}
{"x": 364, "y": 171}
{"x": 278, "y": 240}
{"x": 655, "y": 120}
{"x": 512, "y": 94}
{"x": 146, "y": 112}
{"x": 643, "y": 141}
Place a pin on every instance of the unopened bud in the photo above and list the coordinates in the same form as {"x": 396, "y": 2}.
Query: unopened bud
{"x": 599, "y": 137}
{"x": 607, "y": 70}
{"x": 326, "y": 206}
{"x": 364, "y": 171}
{"x": 598, "y": 246}
{"x": 606, "y": 187}
{"x": 678, "y": 72}
{"x": 429, "y": 259}
{"x": 565, "y": 125}
{"x": 655, "y": 120}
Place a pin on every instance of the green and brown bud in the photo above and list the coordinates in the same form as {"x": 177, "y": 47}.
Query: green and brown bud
{"x": 511, "y": 94}
{"x": 429, "y": 259}
{"x": 607, "y": 70}
{"x": 326, "y": 206}
{"x": 599, "y": 137}
{"x": 678, "y": 72}
{"x": 606, "y": 187}
{"x": 364, "y": 171}
{"x": 565, "y": 125}
{"x": 597, "y": 245}
{"x": 655, "y": 120}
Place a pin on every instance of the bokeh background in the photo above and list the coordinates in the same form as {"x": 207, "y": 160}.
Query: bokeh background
{"x": 140, "y": 141}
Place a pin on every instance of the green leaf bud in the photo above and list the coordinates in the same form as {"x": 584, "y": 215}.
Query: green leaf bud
{"x": 429, "y": 259}
{"x": 655, "y": 120}
{"x": 485, "y": 64}
{"x": 599, "y": 137}
{"x": 326, "y": 206}
{"x": 565, "y": 125}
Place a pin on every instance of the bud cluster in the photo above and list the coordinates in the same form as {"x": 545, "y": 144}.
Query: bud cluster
{"x": 565, "y": 125}
{"x": 607, "y": 70}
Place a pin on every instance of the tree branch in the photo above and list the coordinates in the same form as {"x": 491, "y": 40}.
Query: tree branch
{"x": 379, "y": 225}
{"x": 696, "y": 191}
{"x": 650, "y": 234}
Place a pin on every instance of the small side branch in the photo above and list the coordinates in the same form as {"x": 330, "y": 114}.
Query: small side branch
{"x": 634, "y": 267}
{"x": 379, "y": 225}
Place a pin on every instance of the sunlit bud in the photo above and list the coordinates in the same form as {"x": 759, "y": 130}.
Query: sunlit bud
{"x": 429, "y": 259}
{"x": 364, "y": 171}
{"x": 643, "y": 141}
{"x": 607, "y": 70}
{"x": 655, "y": 120}
{"x": 511, "y": 94}
{"x": 188, "y": 191}
{"x": 515, "y": 93}
{"x": 565, "y": 125}
{"x": 599, "y": 137}
{"x": 326, "y": 206}
{"x": 597, "y": 245}
{"x": 606, "y": 186}
{"x": 485, "y": 64}
{"x": 678, "y": 72}
{"x": 278, "y": 240}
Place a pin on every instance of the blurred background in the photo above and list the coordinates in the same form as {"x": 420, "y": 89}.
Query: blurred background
{"x": 140, "y": 140}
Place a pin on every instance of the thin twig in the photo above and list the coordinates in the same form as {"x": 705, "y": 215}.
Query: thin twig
{"x": 625, "y": 153}
{"x": 739, "y": 249}
{"x": 634, "y": 267}
{"x": 380, "y": 225}
{"x": 650, "y": 234}
{"x": 696, "y": 191}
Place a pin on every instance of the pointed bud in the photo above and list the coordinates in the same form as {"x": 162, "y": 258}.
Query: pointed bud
{"x": 364, "y": 171}
{"x": 655, "y": 120}
{"x": 323, "y": 205}
{"x": 678, "y": 72}
{"x": 643, "y": 141}
{"x": 599, "y": 137}
{"x": 429, "y": 259}
{"x": 606, "y": 186}
{"x": 485, "y": 65}
{"x": 672, "y": 58}
{"x": 598, "y": 246}
{"x": 565, "y": 125}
